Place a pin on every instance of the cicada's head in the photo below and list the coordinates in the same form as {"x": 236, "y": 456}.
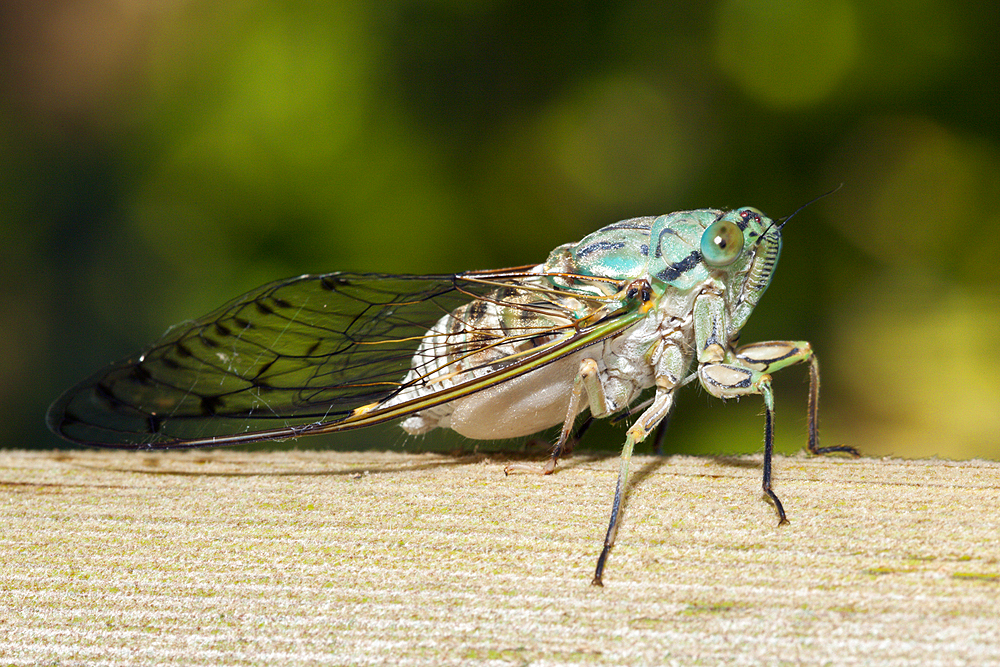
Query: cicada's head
{"x": 762, "y": 246}
{"x": 736, "y": 250}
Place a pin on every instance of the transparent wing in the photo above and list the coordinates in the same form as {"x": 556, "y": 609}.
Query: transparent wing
{"x": 312, "y": 354}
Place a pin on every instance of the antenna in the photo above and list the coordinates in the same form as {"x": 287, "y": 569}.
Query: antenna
{"x": 810, "y": 202}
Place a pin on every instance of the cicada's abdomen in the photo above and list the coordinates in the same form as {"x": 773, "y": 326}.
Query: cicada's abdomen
{"x": 481, "y": 338}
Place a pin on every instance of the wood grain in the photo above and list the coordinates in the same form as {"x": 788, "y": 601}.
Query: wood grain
{"x": 294, "y": 558}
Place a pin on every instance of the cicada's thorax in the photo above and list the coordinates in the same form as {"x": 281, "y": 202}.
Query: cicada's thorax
{"x": 498, "y": 330}
{"x": 670, "y": 251}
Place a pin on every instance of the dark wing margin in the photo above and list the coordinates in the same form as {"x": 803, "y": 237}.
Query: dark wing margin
{"x": 292, "y": 353}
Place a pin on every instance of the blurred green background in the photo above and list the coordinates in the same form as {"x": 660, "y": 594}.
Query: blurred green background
{"x": 157, "y": 159}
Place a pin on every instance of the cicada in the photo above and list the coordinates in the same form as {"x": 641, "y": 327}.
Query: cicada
{"x": 640, "y": 307}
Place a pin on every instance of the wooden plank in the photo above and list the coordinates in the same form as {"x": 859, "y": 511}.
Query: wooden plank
{"x": 293, "y": 558}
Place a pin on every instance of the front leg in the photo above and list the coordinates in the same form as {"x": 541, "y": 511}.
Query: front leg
{"x": 728, "y": 380}
{"x": 747, "y": 371}
{"x": 775, "y": 355}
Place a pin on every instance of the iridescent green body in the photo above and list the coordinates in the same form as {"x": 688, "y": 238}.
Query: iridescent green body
{"x": 630, "y": 308}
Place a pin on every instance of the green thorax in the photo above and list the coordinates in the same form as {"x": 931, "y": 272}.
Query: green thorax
{"x": 732, "y": 251}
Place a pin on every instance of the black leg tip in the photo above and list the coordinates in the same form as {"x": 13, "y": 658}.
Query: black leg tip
{"x": 838, "y": 449}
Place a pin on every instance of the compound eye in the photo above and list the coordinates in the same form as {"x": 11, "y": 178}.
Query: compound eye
{"x": 721, "y": 243}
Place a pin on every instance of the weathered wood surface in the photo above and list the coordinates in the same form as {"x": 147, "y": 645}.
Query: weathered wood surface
{"x": 296, "y": 558}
